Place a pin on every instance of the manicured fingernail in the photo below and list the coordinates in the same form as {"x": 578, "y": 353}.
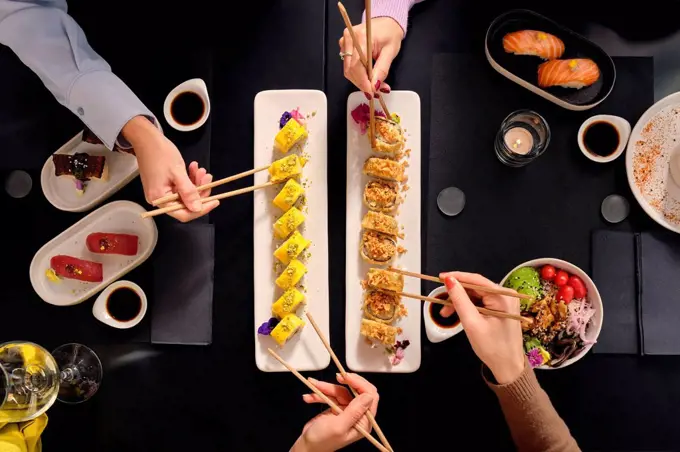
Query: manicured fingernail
{"x": 450, "y": 282}
{"x": 313, "y": 380}
{"x": 377, "y": 96}
{"x": 377, "y": 84}
{"x": 385, "y": 90}
{"x": 368, "y": 96}
{"x": 338, "y": 376}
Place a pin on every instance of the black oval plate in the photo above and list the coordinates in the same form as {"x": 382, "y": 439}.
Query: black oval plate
{"x": 526, "y": 67}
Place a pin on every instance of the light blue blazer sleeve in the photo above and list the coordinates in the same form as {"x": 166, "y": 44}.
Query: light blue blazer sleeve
{"x": 51, "y": 43}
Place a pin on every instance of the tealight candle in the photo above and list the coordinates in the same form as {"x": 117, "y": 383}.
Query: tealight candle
{"x": 519, "y": 140}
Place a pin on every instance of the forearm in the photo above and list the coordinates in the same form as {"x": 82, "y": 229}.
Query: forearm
{"x": 53, "y": 46}
{"x": 396, "y": 9}
{"x": 532, "y": 419}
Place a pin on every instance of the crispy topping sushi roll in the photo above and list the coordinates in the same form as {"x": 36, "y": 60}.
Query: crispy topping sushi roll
{"x": 289, "y": 302}
{"x": 288, "y": 195}
{"x": 383, "y": 307}
{"x": 389, "y": 136}
{"x": 384, "y": 279}
{"x": 381, "y": 196}
{"x": 287, "y": 328}
{"x": 285, "y": 168}
{"x": 288, "y": 222}
{"x": 290, "y": 135}
{"x": 376, "y": 221}
{"x": 291, "y": 275}
{"x": 291, "y": 248}
{"x": 384, "y": 169}
{"x": 380, "y": 332}
{"x": 377, "y": 248}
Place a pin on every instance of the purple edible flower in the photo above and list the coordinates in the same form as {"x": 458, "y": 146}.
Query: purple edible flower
{"x": 285, "y": 117}
{"x": 266, "y": 328}
{"x": 535, "y": 357}
{"x": 80, "y": 185}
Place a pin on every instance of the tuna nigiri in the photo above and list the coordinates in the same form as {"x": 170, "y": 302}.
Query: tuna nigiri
{"x": 73, "y": 268}
{"x": 110, "y": 243}
{"x": 533, "y": 42}
{"x": 575, "y": 73}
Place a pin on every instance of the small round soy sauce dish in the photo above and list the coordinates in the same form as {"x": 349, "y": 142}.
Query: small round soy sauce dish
{"x": 603, "y": 138}
{"x": 122, "y": 305}
{"x": 440, "y": 328}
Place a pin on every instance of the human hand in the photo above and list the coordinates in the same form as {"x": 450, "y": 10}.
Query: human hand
{"x": 387, "y": 35}
{"x": 497, "y": 342}
{"x": 330, "y": 432}
{"x": 163, "y": 171}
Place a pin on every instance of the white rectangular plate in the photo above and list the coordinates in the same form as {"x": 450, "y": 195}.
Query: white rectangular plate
{"x": 305, "y": 351}
{"x": 122, "y": 217}
{"x": 61, "y": 191}
{"x": 360, "y": 356}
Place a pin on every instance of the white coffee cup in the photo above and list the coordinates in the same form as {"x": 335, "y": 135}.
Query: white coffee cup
{"x": 196, "y": 86}
{"x": 100, "y": 309}
{"x": 622, "y": 127}
{"x": 437, "y": 333}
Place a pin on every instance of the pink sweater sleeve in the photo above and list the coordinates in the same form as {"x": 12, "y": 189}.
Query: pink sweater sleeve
{"x": 396, "y": 9}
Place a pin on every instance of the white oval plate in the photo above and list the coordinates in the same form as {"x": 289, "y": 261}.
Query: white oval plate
{"x": 61, "y": 191}
{"x": 673, "y": 190}
{"x": 120, "y": 217}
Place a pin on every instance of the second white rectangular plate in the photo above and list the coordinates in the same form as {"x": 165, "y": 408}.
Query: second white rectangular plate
{"x": 305, "y": 351}
{"x": 360, "y": 356}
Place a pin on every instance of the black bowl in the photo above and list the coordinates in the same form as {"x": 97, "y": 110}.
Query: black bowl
{"x": 523, "y": 69}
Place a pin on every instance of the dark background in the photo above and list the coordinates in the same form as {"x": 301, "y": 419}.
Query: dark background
{"x": 213, "y": 398}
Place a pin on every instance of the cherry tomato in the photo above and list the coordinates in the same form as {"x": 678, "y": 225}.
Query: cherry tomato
{"x": 566, "y": 294}
{"x": 561, "y": 278}
{"x": 579, "y": 287}
{"x": 548, "y": 272}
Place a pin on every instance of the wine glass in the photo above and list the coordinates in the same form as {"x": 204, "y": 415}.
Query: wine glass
{"x": 31, "y": 378}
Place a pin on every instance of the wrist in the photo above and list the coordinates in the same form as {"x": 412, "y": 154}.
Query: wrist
{"x": 139, "y": 131}
{"x": 509, "y": 371}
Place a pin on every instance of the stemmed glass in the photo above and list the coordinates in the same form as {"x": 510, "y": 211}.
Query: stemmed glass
{"x": 31, "y": 378}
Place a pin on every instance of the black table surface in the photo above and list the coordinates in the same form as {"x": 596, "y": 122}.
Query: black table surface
{"x": 214, "y": 398}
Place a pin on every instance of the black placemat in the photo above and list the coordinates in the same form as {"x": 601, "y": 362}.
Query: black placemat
{"x": 615, "y": 275}
{"x": 548, "y": 208}
{"x": 660, "y": 292}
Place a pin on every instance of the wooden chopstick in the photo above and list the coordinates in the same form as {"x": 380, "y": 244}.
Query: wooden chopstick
{"x": 497, "y": 291}
{"x": 217, "y": 183}
{"x": 484, "y": 311}
{"x": 357, "y": 46}
{"x": 229, "y": 194}
{"x": 369, "y": 60}
{"x": 338, "y": 364}
{"x": 328, "y": 401}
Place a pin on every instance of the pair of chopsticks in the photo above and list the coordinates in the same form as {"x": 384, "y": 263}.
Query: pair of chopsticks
{"x": 367, "y": 62}
{"x": 217, "y": 183}
{"x": 385, "y": 446}
{"x": 475, "y": 287}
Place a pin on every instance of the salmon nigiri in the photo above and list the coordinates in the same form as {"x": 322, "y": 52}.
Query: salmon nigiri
{"x": 574, "y": 73}
{"x": 533, "y": 42}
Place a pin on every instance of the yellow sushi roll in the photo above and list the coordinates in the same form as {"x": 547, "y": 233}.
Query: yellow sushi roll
{"x": 287, "y": 328}
{"x": 288, "y": 195}
{"x": 291, "y": 275}
{"x": 286, "y": 168}
{"x": 291, "y": 248}
{"x": 289, "y": 302}
{"x": 290, "y": 135}
{"x": 288, "y": 222}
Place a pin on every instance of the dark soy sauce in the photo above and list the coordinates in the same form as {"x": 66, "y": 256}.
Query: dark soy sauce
{"x": 187, "y": 108}
{"x": 601, "y": 138}
{"x": 443, "y": 322}
{"x": 123, "y": 304}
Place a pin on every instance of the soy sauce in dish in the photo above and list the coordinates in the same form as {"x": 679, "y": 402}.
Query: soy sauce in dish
{"x": 443, "y": 322}
{"x": 187, "y": 108}
{"x": 123, "y": 304}
{"x": 601, "y": 138}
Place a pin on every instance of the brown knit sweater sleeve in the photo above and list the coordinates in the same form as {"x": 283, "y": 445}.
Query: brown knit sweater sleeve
{"x": 534, "y": 424}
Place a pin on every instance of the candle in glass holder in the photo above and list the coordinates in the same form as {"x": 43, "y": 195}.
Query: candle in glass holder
{"x": 519, "y": 140}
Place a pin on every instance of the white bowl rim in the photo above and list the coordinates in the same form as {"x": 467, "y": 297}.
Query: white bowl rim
{"x": 593, "y": 296}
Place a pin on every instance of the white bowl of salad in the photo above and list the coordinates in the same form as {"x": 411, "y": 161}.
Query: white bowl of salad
{"x": 567, "y": 311}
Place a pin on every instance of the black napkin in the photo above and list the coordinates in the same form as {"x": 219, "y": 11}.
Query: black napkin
{"x": 183, "y": 285}
{"x": 615, "y": 275}
{"x": 547, "y": 208}
{"x": 659, "y": 260}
